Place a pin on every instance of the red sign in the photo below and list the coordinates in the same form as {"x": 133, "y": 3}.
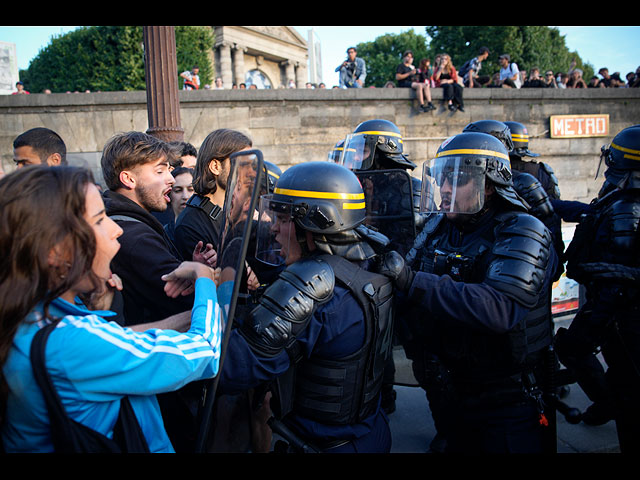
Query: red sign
{"x": 575, "y": 126}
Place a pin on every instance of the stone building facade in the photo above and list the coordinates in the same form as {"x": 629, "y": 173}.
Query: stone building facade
{"x": 269, "y": 57}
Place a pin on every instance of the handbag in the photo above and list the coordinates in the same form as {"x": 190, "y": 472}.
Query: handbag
{"x": 70, "y": 436}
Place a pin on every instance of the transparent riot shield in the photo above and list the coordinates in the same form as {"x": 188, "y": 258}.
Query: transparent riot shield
{"x": 389, "y": 203}
{"x": 247, "y": 181}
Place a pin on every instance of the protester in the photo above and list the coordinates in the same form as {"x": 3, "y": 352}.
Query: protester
{"x": 86, "y": 353}
{"x": 39, "y": 146}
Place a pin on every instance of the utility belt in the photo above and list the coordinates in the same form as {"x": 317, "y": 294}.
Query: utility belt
{"x": 517, "y": 389}
{"x": 293, "y": 443}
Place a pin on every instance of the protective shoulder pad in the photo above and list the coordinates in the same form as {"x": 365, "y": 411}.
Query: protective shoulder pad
{"x": 625, "y": 220}
{"x": 529, "y": 188}
{"x": 285, "y": 308}
{"x": 521, "y": 253}
{"x": 553, "y": 188}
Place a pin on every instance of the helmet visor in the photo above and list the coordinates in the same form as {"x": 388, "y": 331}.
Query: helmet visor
{"x": 451, "y": 185}
{"x": 275, "y": 231}
{"x": 358, "y": 152}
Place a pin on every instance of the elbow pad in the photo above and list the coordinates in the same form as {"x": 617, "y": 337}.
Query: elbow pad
{"x": 529, "y": 188}
{"x": 286, "y": 306}
{"x": 521, "y": 254}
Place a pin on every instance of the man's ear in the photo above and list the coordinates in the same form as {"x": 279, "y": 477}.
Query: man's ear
{"x": 215, "y": 167}
{"x": 128, "y": 179}
{"x": 54, "y": 160}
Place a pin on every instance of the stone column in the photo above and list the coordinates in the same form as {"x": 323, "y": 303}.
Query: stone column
{"x": 238, "y": 64}
{"x": 290, "y": 73}
{"x": 225, "y": 64}
{"x": 301, "y": 75}
{"x": 161, "y": 70}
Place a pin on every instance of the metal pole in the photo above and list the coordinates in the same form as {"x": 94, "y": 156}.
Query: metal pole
{"x": 161, "y": 70}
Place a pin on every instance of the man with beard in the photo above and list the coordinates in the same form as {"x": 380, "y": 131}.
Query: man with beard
{"x": 201, "y": 219}
{"x": 135, "y": 167}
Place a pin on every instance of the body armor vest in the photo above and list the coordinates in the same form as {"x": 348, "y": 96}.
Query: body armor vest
{"x": 345, "y": 391}
{"x": 477, "y": 355}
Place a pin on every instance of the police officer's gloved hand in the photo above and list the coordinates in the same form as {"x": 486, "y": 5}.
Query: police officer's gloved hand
{"x": 610, "y": 271}
{"x": 392, "y": 265}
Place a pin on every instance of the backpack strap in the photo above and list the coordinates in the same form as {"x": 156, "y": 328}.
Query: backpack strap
{"x": 70, "y": 436}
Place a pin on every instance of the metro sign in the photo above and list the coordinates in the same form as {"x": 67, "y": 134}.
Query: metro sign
{"x": 576, "y": 126}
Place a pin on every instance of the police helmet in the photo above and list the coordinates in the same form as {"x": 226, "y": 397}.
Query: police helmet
{"x": 495, "y": 128}
{"x": 374, "y": 142}
{"x": 520, "y": 139}
{"x": 273, "y": 174}
{"x": 473, "y": 154}
{"x": 321, "y": 197}
{"x": 622, "y": 156}
{"x": 623, "y": 153}
{"x": 336, "y": 152}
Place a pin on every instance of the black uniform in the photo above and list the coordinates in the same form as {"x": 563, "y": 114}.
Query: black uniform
{"x": 603, "y": 257}
{"x": 479, "y": 288}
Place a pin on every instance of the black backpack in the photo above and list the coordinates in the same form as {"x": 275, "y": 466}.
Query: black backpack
{"x": 70, "y": 436}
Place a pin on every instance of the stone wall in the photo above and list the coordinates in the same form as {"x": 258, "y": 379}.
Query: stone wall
{"x": 297, "y": 125}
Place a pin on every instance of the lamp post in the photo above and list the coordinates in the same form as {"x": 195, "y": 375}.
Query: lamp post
{"x": 161, "y": 71}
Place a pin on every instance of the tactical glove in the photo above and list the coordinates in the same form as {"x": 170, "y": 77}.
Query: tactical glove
{"x": 393, "y": 266}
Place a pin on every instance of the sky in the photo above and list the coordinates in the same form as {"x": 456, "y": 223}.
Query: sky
{"x": 614, "y": 47}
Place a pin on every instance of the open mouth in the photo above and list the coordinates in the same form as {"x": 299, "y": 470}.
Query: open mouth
{"x": 166, "y": 195}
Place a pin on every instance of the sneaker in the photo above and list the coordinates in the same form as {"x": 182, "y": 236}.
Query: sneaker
{"x": 452, "y": 107}
{"x": 428, "y": 107}
{"x": 460, "y": 108}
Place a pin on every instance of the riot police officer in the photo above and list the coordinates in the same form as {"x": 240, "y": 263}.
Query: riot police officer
{"x": 535, "y": 182}
{"x": 377, "y": 145}
{"x": 321, "y": 332}
{"x": 540, "y": 170}
{"x": 479, "y": 280}
{"x": 375, "y": 152}
{"x": 603, "y": 256}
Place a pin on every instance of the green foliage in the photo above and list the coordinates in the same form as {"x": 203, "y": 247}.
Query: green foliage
{"x": 193, "y": 47}
{"x": 110, "y": 58}
{"x": 384, "y": 54}
{"x": 529, "y": 46}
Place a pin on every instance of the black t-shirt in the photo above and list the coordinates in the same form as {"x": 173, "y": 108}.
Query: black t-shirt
{"x": 402, "y": 69}
{"x": 194, "y": 225}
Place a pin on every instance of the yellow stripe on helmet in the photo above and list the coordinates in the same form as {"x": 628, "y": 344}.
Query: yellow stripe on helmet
{"x": 354, "y": 206}
{"x": 325, "y": 195}
{"x": 379, "y": 132}
{"x": 628, "y": 152}
{"x": 519, "y": 137}
{"x": 472, "y": 151}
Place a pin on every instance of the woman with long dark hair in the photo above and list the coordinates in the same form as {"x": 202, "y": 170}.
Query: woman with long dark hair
{"x": 445, "y": 76}
{"x": 57, "y": 244}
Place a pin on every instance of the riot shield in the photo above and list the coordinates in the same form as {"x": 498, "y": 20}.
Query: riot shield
{"x": 389, "y": 203}
{"x": 247, "y": 181}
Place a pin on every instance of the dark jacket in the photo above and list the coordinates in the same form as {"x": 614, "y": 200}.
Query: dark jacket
{"x": 145, "y": 255}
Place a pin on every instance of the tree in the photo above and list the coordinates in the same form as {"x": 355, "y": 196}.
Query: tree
{"x": 110, "y": 58}
{"x": 384, "y": 54}
{"x": 529, "y": 46}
